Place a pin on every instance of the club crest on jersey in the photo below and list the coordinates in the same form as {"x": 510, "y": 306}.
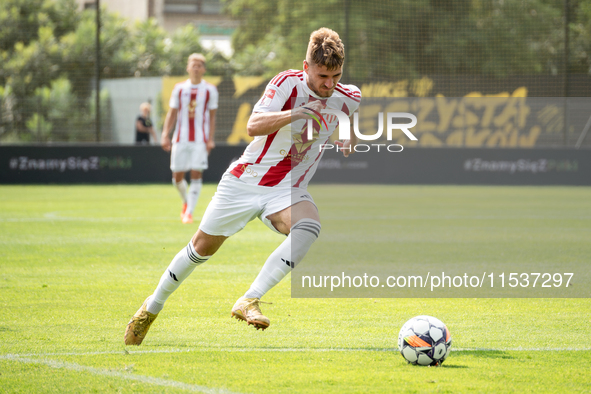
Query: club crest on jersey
{"x": 302, "y": 143}
{"x": 192, "y": 106}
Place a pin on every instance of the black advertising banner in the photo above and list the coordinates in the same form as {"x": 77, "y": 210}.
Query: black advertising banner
{"x": 462, "y": 166}
{"x": 98, "y": 164}
{"x": 412, "y": 165}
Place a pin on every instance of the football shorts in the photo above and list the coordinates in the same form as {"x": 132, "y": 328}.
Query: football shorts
{"x": 187, "y": 156}
{"x": 236, "y": 203}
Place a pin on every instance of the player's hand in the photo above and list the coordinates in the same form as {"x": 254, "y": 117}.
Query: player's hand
{"x": 209, "y": 146}
{"x": 309, "y": 109}
{"x": 345, "y": 145}
{"x": 165, "y": 143}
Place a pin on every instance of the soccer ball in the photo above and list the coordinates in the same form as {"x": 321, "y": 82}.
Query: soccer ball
{"x": 424, "y": 340}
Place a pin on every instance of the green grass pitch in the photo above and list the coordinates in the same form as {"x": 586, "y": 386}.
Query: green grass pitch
{"x": 77, "y": 261}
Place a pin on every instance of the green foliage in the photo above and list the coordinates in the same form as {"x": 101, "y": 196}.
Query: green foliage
{"x": 580, "y": 28}
{"x": 264, "y": 59}
{"x": 184, "y": 42}
{"x": 20, "y": 20}
{"x": 495, "y": 38}
{"x": 411, "y": 38}
{"x": 78, "y": 51}
{"x": 37, "y": 124}
{"x": 148, "y": 57}
{"x": 48, "y": 47}
{"x": 48, "y": 61}
{"x": 69, "y": 119}
{"x": 27, "y": 68}
{"x": 44, "y": 41}
{"x": 258, "y": 18}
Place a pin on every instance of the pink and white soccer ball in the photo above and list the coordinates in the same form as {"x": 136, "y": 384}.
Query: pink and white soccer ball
{"x": 424, "y": 340}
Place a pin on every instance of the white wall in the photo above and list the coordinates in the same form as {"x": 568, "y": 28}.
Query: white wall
{"x": 126, "y": 95}
{"x": 131, "y": 9}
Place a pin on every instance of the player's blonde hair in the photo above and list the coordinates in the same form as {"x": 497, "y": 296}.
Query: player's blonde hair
{"x": 145, "y": 106}
{"x": 196, "y": 56}
{"x": 326, "y": 49}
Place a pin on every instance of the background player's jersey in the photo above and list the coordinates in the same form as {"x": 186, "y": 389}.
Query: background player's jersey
{"x": 193, "y": 103}
{"x": 286, "y": 157}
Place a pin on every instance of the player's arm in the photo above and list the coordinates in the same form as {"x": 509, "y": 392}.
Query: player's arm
{"x": 265, "y": 123}
{"x": 168, "y": 123}
{"x": 211, "y": 141}
{"x": 153, "y": 133}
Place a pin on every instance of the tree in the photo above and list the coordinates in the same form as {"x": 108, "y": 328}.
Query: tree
{"x": 410, "y": 38}
{"x": 580, "y": 28}
{"x": 20, "y": 20}
{"x": 48, "y": 65}
{"x": 29, "y": 46}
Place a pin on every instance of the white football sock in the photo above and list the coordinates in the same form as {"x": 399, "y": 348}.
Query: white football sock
{"x": 193, "y": 195}
{"x": 182, "y": 188}
{"x": 179, "y": 269}
{"x": 285, "y": 257}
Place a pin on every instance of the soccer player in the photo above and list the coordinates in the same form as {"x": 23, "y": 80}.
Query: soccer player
{"x": 193, "y": 105}
{"x": 269, "y": 180}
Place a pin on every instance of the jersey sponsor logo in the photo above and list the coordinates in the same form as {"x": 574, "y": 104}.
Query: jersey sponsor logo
{"x": 295, "y": 156}
{"x": 268, "y": 97}
{"x": 245, "y": 169}
{"x": 250, "y": 171}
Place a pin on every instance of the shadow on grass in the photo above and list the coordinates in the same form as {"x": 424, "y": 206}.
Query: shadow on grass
{"x": 454, "y": 366}
{"x": 496, "y": 354}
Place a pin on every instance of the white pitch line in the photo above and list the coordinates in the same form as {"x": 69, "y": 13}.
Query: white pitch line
{"x": 523, "y": 349}
{"x": 280, "y": 350}
{"x": 88, "y": 219}
{"x": 122, "y": 352}
{"x": 121, "y": 375}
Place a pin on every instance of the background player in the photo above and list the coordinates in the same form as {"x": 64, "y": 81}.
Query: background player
{"x": 193, "y": 105}
{"x": 268, "y": 181}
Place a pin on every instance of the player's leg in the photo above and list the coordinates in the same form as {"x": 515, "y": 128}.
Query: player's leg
{"x": 228, "y": 212}
{"x": 180, "y": 268}
{"x": 181, "y": 185}
{"x": 193, "y": 194}
{"x": 300, "y": 237}
{"x": 301, "y": 224}
{"x": 198, "y": 163}
{"x": 179, "y": 166}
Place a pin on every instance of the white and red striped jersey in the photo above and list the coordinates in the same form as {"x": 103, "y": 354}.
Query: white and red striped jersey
{"x": 286, "y": 157}
{"x": 193, "y": 103}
